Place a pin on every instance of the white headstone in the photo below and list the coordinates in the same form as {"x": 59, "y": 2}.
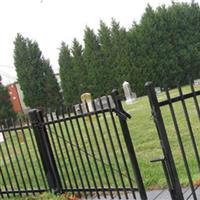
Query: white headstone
{"x": 196, "y": 82}
{"x": 130, "y": 96}
{"x": 1, "y": 137}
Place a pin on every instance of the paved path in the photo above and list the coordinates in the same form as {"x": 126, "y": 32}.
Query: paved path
{"x": 159, "y": 195}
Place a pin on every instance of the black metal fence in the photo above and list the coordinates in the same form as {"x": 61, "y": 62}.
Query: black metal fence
{"x": 21, "y": 169}
{"x": 85, "y": 151}
{"x": 185, "y": 125}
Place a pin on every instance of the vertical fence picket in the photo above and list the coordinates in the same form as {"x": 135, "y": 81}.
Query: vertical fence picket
{"x": 7, "y": 171}
{"x": 62, "y": 152}
{"x": 169, "y": 164}
{"x": 190, "y": 129}
{"x": 36, "y": 154}
{"x": 174, "y": 187}
{"x": 107, "y": 153}
{"x": 112, "y": 147}
{"x": 11, "y": 163}
{"x": 129, "y": 144}
{"x": 80, "y": 156}
{"x": 45, "y": 151}
{"x": 85, "y": 149}
{"x": 53, "y": 131}
{"x": 181, "y": 144}
{"x": 99, "y": 150}
{"x": 120, "y": 146}
{"x": 74, "y": 156}
{"x": 4, "y": 183}
{"x": 23, "y": 158}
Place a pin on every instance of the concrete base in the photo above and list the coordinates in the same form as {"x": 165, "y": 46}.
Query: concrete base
{"x": 155, "y": 195}
{"x": 130, "y": 101}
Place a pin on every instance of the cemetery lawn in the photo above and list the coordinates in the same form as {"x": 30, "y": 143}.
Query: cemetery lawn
{"x": 146, "y": 142}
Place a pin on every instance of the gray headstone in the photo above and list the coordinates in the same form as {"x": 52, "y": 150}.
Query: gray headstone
{"x": 196, "y": 82}
{"x": 157, "y": 90}
{"x": 104, "y": 101}
{"x": 80, "y": 108}
{"x": 129, "y": 95}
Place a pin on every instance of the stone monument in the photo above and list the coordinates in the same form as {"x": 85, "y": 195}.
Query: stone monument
{"x": 130, "y": 96}
{"x": 87, "y": 97}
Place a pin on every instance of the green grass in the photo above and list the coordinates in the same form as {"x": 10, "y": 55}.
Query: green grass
{"x": 144, "y": 137}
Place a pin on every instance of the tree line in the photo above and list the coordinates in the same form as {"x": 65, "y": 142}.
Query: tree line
{"x": 163, "y": 47}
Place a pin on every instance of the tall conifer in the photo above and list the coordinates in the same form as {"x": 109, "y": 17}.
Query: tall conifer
{"x": 91, "y": 55}
{"x": 66, "y": 74}
{"x": 35, "y": 76}
{"x": 79, "y": 69}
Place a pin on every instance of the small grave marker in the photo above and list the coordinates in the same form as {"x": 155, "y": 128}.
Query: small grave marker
{"x": 21, "y": 137}
{"x": 130, "y": 96}
{"x": 1, "y": 137}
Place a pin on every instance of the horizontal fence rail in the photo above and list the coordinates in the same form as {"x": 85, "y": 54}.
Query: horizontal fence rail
{"x": 183, "y": 123}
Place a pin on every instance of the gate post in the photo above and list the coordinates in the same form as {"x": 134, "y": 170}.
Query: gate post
{"x": 45, "y": 150}
{"x": 129, "y": 144}
{"x": 174, "y": 187}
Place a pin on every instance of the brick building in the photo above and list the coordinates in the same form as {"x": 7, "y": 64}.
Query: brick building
{"x": 16, "y": 97}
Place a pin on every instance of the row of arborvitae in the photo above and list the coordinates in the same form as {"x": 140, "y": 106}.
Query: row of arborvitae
{"x": 163, "y": 47}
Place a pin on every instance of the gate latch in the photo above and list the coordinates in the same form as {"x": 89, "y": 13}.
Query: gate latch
{"x": 122, "y": 114}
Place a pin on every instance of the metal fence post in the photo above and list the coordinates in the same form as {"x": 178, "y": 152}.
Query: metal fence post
{"x": 45, "y": 151}
{"x": 129, "y": 144}
{"x": 175, "y": 187}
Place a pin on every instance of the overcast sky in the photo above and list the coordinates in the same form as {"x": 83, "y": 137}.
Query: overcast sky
{"x": 50, "y": 22}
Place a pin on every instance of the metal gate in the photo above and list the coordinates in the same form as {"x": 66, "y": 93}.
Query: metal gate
{"x": 180, "y": 112}
{"x": 89, "y": 150}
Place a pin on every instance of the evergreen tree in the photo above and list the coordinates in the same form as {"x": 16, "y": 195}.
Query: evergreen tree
{"x": 66, "y": 74}
{"x": 121, "y": 66}
{"x": 52, "y": 89}
{"x": 6, "y": 110}
{"x": 35, "y": 75}
{"x": 79, "y": 70}
{"x": 91, "y": 55}
{"x": 143, "y": 42}
{"x": 165, "y": 45}
{"x": 106, "y": 59}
